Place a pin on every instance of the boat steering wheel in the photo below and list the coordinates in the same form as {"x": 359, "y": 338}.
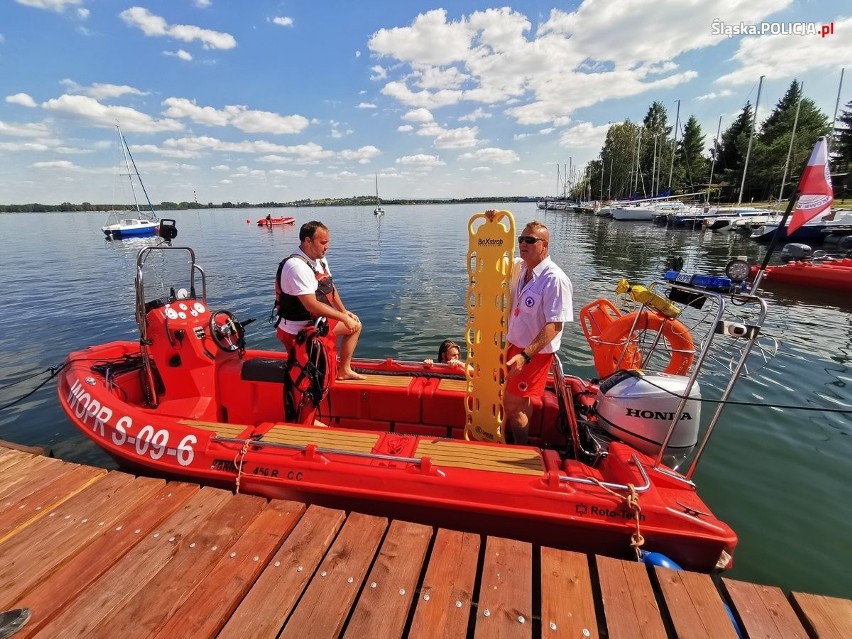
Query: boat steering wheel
{"x": 226, "y": 332}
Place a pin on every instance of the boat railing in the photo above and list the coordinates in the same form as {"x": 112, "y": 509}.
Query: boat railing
{"x": 715, "y": 321}
{"x": 142, "y": 307}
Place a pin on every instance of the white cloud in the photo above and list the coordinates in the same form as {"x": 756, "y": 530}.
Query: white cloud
{"x": 478, "y": 114}
{"x": 23, "y": 130}
{"x": 584, "y": 135}
{"x": 379, "y": 72}
{"x": 155, "y": 26}
{"x": 180, "y": 54}
{"x": 100, "y": 91}
{"x": 366, "y": 105}
{"x": 88, "y": 109}
{"x": 282, "y": 21}
{"x": 492, "y": 155}
{"x": 51, "y": 5}
{"x": 421, "y": 160}
{"x": 405, "y": 128}
{"x": 713, "y": 95}
{"x": 56, "y": 164}
{"x": 418, "y": 115}
{"x": 22, "y": 99}
{"x": 238, "y": 116}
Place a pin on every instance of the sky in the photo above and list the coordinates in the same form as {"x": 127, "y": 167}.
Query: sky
{"x": 256, "y": 101}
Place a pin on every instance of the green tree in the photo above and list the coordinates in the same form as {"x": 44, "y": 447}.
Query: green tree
{"x": 656, "y": 150}
{"x": 773, "y": 144}
{"x": 841, "y": 151}
{"x": 690, "y": 158}
{"x": 731, "y": 152}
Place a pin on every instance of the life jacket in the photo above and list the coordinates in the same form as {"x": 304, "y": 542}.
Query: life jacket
{"x": 310, "y": 369}
{"x": 290, "y": 307}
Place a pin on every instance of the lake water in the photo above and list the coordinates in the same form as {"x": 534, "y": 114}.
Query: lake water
{"x": 781, "y": 476}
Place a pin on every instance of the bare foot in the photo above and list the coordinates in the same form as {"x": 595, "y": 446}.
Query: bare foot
{"x": 350, "y": 374}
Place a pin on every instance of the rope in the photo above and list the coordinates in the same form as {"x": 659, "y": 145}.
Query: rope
{"x": 239, "y": 460}
{"x": 632, "y": 502}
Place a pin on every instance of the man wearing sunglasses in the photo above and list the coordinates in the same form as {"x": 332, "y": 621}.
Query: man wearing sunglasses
{"x": 541, "y": 302}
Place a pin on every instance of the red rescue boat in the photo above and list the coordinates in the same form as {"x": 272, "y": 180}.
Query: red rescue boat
{"x": 834, "y": 274}
{"x": 188, "y": 400}
{"x": 276, "y": 221}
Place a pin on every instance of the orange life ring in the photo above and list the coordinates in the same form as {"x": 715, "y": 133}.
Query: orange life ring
{"x": 615, "y": 348}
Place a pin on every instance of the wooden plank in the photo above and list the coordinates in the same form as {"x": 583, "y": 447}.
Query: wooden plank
{"x": 505, "y": 593}
{"x": 321, "y": 437}
{"x": 334, "y": 587}
{"x": 116, "y": 587}
{"x": 74, "y": 577}
{"x": 503, "y": 459}
{"x": 275, "y": 593}
{"x": 630, "y": 608}
{"x": 30, "y": 556}
{"x": 211, "y": 604}
{"x": 696, "y": 609}
{"x": 196, "y": 554}
{"x": 827, "y": 617}
{"x": 567, "y": 601}
{"x": 385, "y": 601}
{"x": 443, "y": 608}
{"x": 36, "y": 501}
{"x": 764, "y": 610}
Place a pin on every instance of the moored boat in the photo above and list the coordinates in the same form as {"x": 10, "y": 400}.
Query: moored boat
{"x": 189, "y": 399}
{"x": 826, "y": 273}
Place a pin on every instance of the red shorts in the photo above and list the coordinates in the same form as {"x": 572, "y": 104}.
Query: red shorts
{"x": 532, "y": 379}
{"x": 288, "y": 339}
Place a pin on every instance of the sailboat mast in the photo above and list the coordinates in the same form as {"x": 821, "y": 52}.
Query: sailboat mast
{"x": 750, "y": 139}
{"x": 792, "y": 137}
{"x": 674, "y": 143}
{"x": 126, "y": 150}
{"x": 715, "y": 154}
{"x": 123, "y": 145}
{"x": 836, "y": 104}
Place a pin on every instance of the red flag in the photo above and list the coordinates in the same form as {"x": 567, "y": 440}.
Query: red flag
{"x": 815, "y": 190}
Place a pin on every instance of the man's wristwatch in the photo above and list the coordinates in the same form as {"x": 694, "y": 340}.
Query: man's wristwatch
{"x": 527, "y": 358}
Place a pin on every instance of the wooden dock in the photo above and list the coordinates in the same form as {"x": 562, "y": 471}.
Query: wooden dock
{"x": 96, "y": 553}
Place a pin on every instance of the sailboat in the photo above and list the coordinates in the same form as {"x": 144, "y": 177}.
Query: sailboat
{"x": 140, "y": 222}
{"x": 378, "y": 210}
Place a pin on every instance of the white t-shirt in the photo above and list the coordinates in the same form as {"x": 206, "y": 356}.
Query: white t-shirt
{"x": 297, "y": 278}
{"x": 547, "y": 297}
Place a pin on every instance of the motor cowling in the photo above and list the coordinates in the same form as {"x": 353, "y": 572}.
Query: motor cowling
{"x": 639, "y": 408}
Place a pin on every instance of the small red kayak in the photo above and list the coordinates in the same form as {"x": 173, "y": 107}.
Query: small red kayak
{"x": 275, "y": 221}
{"x": 834, "y": 274}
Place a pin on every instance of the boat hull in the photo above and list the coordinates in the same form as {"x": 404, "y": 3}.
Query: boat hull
{"x": 117, "y": 231}
{"x": 276, "y": 221}
{"x": 834, "y": 274}
{"x": 393, "y": 445}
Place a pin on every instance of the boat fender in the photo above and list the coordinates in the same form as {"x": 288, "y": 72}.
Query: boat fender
{"x": 614, "y": 349}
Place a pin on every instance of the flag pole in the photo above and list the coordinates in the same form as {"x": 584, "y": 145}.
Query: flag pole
{"x": 791, "y": 205}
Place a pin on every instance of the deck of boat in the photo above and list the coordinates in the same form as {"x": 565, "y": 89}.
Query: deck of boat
{"x": 99, "y": 553}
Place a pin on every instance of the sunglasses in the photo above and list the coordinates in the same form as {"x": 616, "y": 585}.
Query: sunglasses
{"x": 529, "y": 239}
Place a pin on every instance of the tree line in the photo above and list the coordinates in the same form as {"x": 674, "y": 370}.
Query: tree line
{"x": 643, "y": 159}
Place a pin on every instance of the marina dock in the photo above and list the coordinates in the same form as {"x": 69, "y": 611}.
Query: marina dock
{"x": 97, "y": 553}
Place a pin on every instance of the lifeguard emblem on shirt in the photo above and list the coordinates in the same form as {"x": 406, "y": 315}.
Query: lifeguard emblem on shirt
{"x": 529, "y": 302}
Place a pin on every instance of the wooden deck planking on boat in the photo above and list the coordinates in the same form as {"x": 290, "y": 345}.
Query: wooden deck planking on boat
{"x": 322, "y": 438}
{"x": 507, "y": 459}
{"x": 139, "y": 557}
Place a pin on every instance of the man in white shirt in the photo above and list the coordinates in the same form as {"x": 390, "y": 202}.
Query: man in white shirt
{"x": 542, "y": 302}
{"x": 305, "y": 291}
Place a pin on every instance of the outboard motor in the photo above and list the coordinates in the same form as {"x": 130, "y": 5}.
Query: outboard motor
{"x": 167, "y": 229}
{"x": 638, "y": 409}
{"x": 794, "y": 251}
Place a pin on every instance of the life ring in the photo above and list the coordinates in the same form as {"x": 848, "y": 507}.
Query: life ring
{"x": 615, "y": 348}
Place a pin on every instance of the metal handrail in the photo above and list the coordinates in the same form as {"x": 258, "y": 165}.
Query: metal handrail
{"x": 612, "y": 486}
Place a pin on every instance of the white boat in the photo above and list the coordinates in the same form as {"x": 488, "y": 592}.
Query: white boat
{"x": 378, "y": 210}
{"x": 814, "y": 230}
{"x": 139, "y": 222}
{"x": 722, "y": 218}
{"x": 637, "y": 212}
